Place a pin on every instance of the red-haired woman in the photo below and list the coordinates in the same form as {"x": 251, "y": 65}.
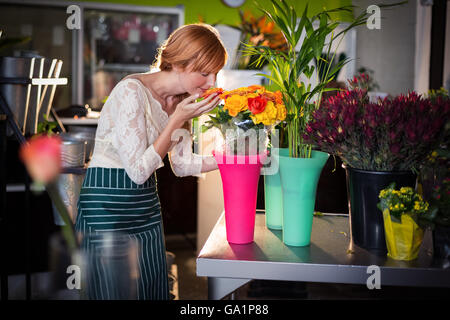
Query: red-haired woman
{"x": 135, "y": 132}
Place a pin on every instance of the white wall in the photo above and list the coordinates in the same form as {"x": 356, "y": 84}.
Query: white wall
{"x": 389, "y": 51}
{"x": 422, "y": 47}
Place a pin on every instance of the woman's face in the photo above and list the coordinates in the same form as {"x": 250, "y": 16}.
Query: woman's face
{"x": 196, "y": 82}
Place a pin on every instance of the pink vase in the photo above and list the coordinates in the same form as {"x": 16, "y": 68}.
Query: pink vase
{"x": 240, "y": 175}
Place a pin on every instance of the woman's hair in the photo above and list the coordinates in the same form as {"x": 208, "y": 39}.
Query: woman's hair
{"x": 196, "y": 44}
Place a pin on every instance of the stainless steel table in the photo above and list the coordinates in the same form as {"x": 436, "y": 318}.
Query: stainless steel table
{"x": 331, "y": 257}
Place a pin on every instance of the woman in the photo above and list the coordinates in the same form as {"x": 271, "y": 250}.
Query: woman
{"x": 137, "y": 128}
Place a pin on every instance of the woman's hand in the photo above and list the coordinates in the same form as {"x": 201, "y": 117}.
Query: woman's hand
{"x": 188, "y": 108}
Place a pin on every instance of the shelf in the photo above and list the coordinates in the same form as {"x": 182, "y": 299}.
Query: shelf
{"x": 124, "y": 67}
{"x": 330, "y": 258}
{"x": 79, "y": 121}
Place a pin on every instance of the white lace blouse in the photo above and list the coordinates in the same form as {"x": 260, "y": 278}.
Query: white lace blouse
{"x": 130, "y": 121}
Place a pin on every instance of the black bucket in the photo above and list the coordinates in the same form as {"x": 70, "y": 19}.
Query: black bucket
{"x": 366, "y": 220}
{"x": 441, "y": 242}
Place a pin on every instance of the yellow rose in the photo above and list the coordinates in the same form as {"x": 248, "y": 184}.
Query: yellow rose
{"x": 235, "y": 104}
{"x": 268, "y": 116}
{"x": 281, "y": 112}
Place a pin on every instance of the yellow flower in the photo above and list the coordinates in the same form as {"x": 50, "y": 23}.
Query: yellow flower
{"x": 416, "y": 205}
{"x": 281, "y": 112}
{"x": 235, "y": 104}
{"x": 404, "y": 190}
{"x": 268, "y": 116}
{"x": 252, "y": 95}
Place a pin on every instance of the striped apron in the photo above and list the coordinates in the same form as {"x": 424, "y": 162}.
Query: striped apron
{"x": 111, "y": 203}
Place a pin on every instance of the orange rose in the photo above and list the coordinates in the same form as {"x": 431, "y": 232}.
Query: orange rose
{"x": 211, "y": 91}
{"x": 278, "y": 97}
{"x": 235, "y": 104}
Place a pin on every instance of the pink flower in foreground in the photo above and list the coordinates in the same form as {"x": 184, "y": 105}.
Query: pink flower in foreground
{"x": 42, "y": 157}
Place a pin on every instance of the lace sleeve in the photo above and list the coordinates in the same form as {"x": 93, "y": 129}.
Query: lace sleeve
{"x": 139, "y": 159}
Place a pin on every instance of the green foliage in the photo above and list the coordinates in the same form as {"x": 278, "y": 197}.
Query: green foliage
{"x": 402, "y": 201}
{"x": 440, "y": 205}
{"x": 300, "y": 98}
{"x": 217, "y": 117}
{"x": 46, "y": 126}
{"x": 220, "y": 119}
{"x": 287, "y": 67}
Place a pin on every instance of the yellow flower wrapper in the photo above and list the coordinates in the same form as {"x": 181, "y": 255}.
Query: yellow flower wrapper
{"x": 403, "y": 239}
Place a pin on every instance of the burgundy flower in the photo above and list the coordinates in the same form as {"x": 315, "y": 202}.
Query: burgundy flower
{"x": 397, "y": 130}
{"x": 395, "y": 148}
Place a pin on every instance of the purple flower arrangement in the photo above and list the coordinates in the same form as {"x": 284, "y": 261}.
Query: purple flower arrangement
{"x": 393, "y": 134}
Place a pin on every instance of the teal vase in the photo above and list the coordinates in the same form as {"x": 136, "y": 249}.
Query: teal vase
{"x": 299, "y": 179}
{"x": 273, "y": 196}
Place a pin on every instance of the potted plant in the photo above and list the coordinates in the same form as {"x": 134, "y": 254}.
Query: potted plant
{"x": 300, "y": 169}
{"x": 380, "y": 143}
{"x": 439, "y": 218}
{"x": 401, "y": 211}
{"x": 244, "y": 120}
{"x": 435, "y": 184}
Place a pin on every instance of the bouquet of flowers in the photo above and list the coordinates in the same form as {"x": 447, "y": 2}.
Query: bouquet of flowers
{"x": 245, "y": 118}
{"x": 389, "y": 135}
{"x": 403, "y": 201}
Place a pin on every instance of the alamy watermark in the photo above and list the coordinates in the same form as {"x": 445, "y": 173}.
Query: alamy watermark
{"x": 374, "y": 20}
{"x": 374, "y": 280}
{"x": 234, "y": 146}
{"x": 74, "y": 279}
{"x": 74, "y": 20}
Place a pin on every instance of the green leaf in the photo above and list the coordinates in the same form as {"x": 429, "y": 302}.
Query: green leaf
{"x": 301, "y": 25}
{"x": 395, "y": 218}
{"x": 277, "y": 8}
{"x": 205, "y": 128}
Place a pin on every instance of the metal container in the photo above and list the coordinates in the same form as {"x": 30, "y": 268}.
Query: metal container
{"x": 69, "y": 186}
{"x": 84, "y": 133}
{"x": 73, "y": 152}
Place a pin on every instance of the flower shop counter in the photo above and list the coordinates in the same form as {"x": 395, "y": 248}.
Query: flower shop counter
{"x": 331, "y": 258}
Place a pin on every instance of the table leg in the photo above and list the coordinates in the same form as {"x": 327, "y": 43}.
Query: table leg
{"x": 220, "y": 287}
